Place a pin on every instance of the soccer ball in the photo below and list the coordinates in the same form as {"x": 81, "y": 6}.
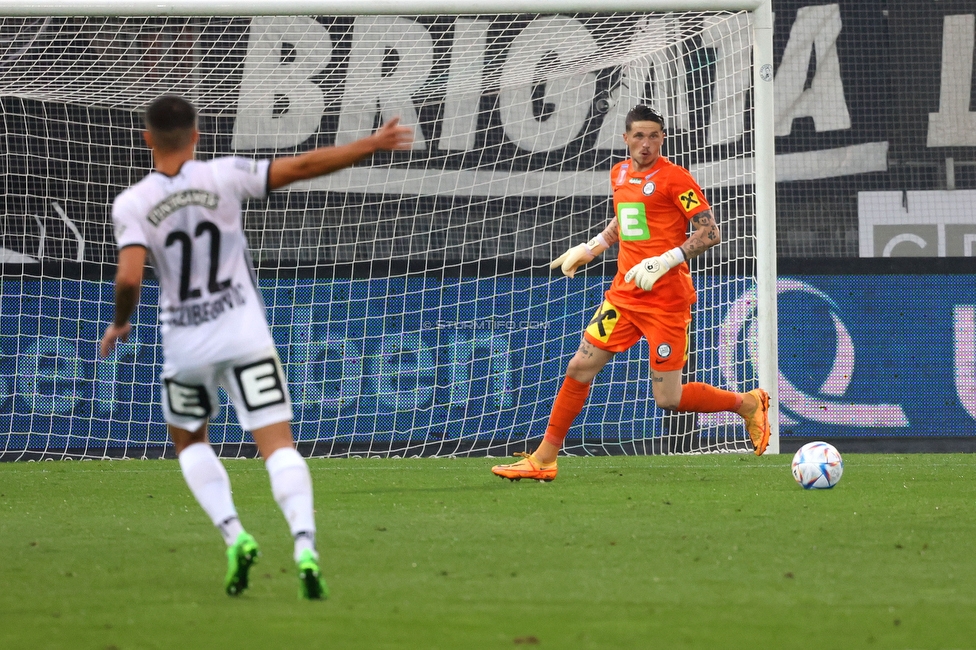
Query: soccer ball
{"x": 817, "y": 465}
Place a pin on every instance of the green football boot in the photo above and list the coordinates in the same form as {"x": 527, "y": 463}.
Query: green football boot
{"x": 240, "y": 557}
{"x": 311, "y": 586}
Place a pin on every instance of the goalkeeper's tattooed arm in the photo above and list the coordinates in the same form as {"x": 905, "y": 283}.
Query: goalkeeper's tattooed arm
{"x": 705, "y": 236}
{"x": 582, "y": 254}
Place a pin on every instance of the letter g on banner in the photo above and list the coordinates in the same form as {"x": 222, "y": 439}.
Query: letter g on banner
{"x": 737, "y": 346}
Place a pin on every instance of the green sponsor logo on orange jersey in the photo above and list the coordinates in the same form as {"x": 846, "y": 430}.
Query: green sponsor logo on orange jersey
{"x": 632, "y": 219}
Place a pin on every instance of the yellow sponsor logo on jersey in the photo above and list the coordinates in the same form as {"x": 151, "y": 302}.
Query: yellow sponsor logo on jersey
{"x": 689, "y": 200}
{"x": 603, "y": 321}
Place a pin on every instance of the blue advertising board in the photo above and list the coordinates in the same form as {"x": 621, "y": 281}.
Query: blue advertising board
{"x": 427, "y": 359}
{"x": 877, "y": 355}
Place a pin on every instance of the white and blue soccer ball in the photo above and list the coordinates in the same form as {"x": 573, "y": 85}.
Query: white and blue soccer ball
{"x": 817, "y": 466}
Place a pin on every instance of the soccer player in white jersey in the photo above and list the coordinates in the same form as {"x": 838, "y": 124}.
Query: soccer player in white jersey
{"x": 185, "y": 218}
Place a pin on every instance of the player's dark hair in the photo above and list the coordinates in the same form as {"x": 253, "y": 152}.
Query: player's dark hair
{"x": 643, "y": 113}
{"x": 171, "y": 120}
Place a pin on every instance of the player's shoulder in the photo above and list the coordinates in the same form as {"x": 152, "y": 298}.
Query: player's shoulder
{"x": 234, "y": 164}
{"x": 136, "y": 194}
{"x": 666, "y": 166}
{"x": 671, "y": 169}
{"x": 247, "y": 174}
{"x": 675, "y": 178}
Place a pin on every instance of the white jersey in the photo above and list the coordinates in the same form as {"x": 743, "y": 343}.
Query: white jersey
{"x": 210, "y": 308}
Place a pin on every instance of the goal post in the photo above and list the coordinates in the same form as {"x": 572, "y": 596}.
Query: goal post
{"x": 410, "y": 295}
{"x": 767, "y": 317}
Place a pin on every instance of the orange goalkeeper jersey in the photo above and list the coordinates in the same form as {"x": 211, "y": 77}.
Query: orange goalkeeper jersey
{"x": 652, "y": 211}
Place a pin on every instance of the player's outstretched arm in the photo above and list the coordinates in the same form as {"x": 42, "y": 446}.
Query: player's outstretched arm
{"x": 582, "y": 254}
{"x": 324, "y": 160}
{"x": 128, "y": 282}
{"x": 648, "y": 271}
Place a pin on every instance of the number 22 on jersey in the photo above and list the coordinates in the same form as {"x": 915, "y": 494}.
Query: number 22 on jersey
{"x": 186, "y": 262}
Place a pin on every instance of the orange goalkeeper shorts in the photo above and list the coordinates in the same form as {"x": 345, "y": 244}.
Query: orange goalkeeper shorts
{"x": 615, "y": 330}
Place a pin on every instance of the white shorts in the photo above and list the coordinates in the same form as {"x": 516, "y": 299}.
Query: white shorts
{"x": 254, "y": 382}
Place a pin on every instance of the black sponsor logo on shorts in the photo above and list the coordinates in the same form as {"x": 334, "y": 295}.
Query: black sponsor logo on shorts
{"x": 261, "y": 384}
{"x": 186, "y": 400}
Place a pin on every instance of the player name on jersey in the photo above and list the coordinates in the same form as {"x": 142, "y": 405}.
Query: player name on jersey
{"x": 190, "y": 315}
{"x": 174, "y": 202}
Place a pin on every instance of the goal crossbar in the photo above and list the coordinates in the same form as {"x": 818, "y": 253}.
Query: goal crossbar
{"x": 17, "y": 8}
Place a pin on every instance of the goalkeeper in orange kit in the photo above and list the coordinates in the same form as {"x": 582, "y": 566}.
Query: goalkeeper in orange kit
{"x": 651, "y": 295}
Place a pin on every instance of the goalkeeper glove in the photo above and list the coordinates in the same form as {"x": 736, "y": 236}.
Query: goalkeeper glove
{"x": 577, "y": 256}
{"x": 646, "y": 272}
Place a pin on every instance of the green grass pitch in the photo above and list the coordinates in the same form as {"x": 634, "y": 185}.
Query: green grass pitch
{"x": 719, "y": 551}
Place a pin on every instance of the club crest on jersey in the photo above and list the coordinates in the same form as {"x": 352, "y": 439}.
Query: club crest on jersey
{"x": 180, "y": 200}
{"x": 649, "y": 188}
{"x": 664, "y": 351}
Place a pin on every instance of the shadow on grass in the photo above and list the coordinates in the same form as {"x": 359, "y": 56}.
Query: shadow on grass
{"x": 497, "y": 485}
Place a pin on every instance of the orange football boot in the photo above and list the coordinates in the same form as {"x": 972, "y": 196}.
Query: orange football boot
{"x": 757, "y": 424}
{"x": 528, "y": 467}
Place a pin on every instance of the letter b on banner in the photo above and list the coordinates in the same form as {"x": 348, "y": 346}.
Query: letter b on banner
{"x": 279, "y": 107}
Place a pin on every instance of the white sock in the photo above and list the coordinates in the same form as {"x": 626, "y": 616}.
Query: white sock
{"x": 210, "y": 484}
{"x": 291, "y": 485}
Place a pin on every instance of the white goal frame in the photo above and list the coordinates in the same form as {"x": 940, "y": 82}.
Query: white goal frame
{"x": 764, "y": 161}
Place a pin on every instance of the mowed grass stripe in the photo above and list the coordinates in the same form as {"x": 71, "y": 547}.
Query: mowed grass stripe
{"x": 722, "y": 551}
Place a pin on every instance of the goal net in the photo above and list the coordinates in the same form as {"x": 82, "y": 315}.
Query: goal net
{"x": 410, "y": 295}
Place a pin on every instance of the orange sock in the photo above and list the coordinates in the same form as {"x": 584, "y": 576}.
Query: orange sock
{"x": 569, "y": 402}
{"x": 703, "y": 398}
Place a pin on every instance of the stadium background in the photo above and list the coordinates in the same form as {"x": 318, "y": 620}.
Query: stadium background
{"x": 869, "y": 343}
